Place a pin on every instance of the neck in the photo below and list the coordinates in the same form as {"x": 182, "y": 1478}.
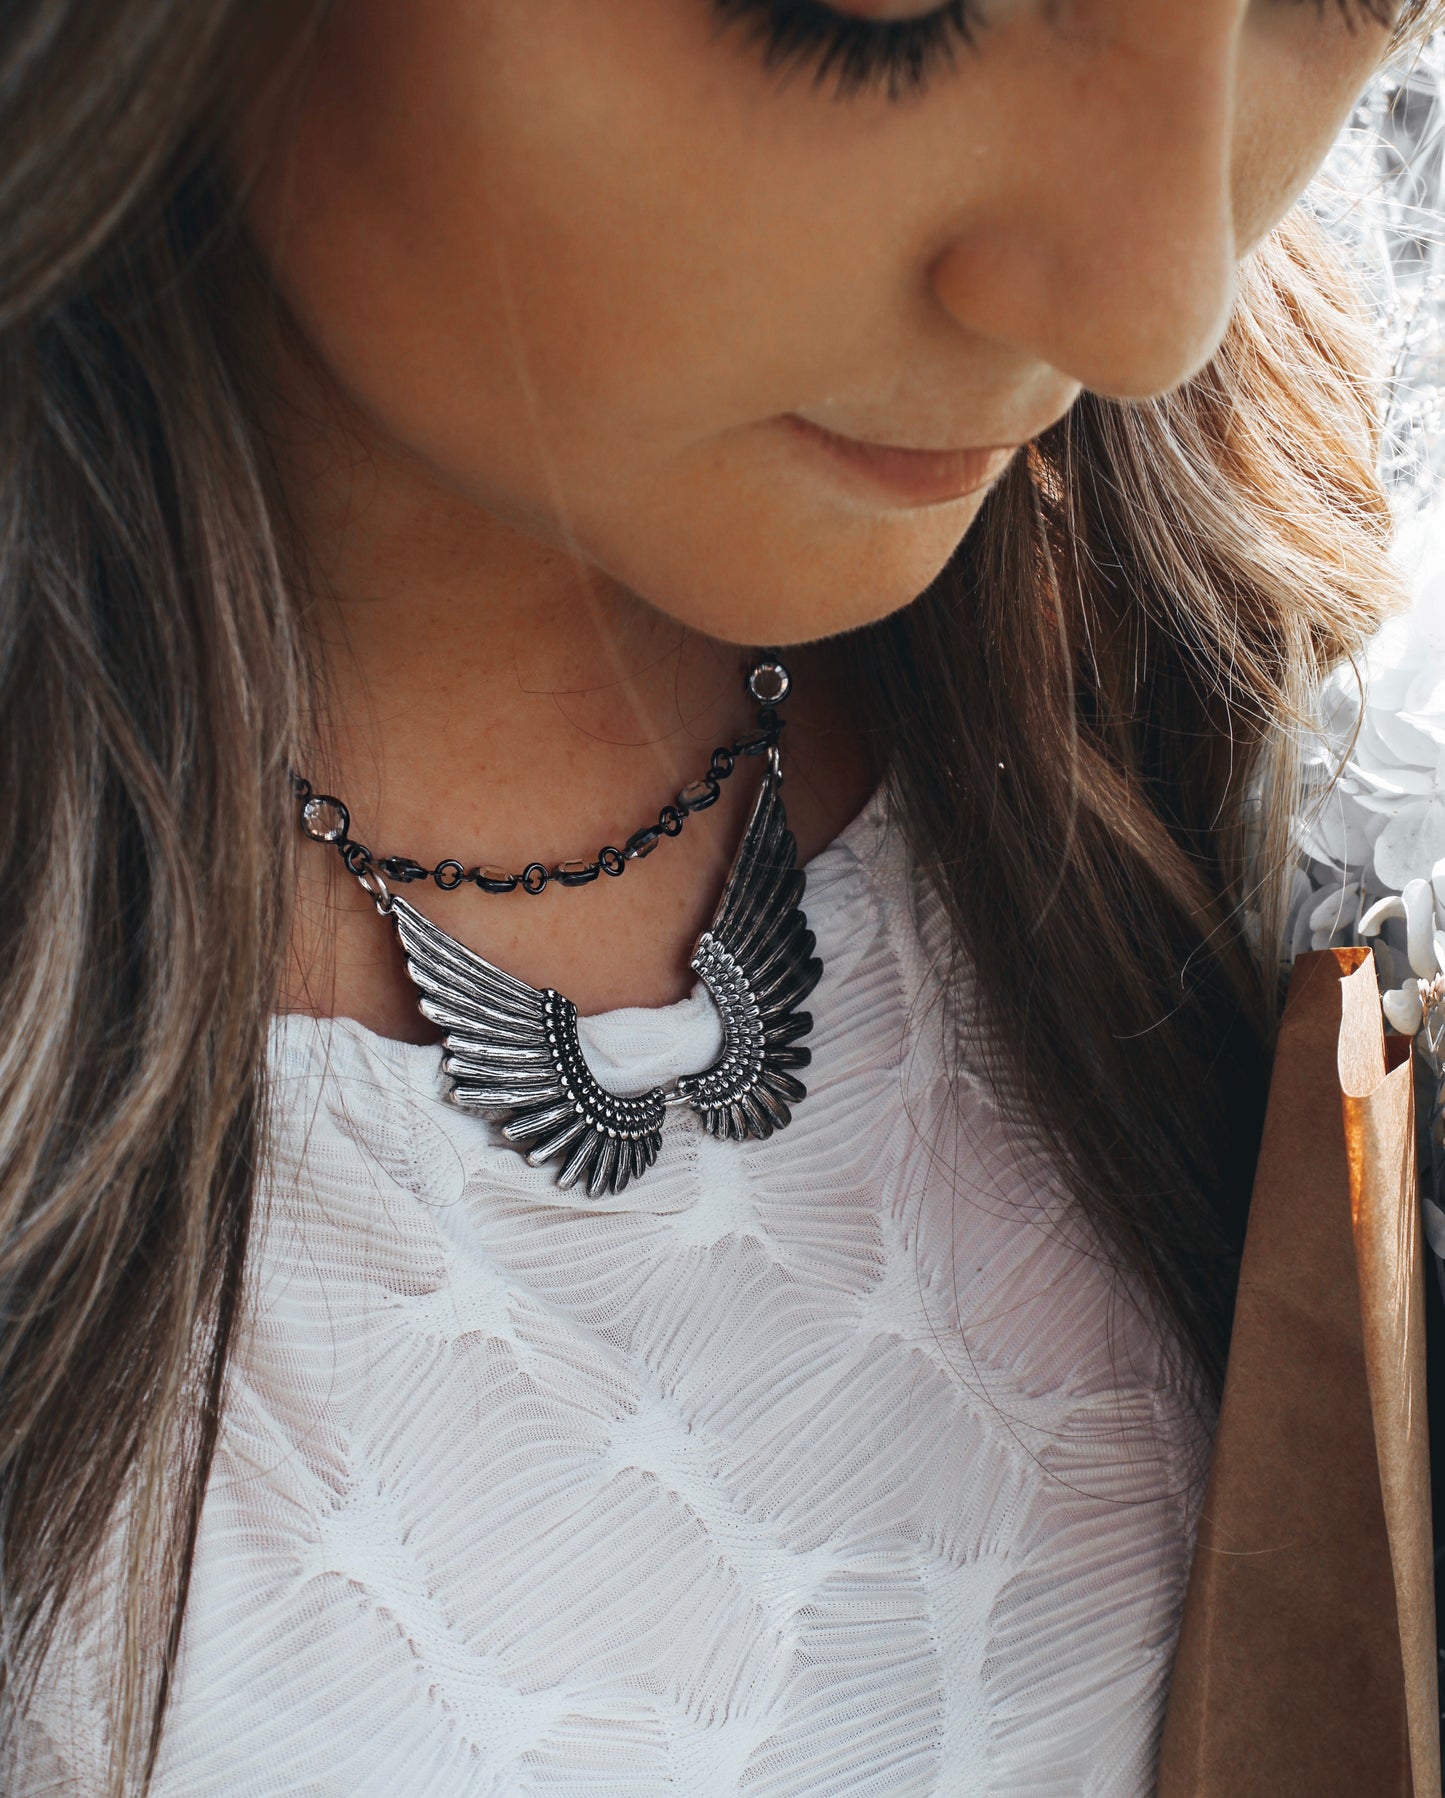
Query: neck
{"x": 486, "y": 696}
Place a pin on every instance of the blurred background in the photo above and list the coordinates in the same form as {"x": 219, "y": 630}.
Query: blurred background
{"x": 1372, "y": 818}
{"x": 1384, "y": 193}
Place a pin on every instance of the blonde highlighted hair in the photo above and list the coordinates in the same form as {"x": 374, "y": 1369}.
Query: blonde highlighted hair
{"x": 1071, "y": 720}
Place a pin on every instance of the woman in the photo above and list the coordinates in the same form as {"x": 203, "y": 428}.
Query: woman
{"x": 431, "y": 427}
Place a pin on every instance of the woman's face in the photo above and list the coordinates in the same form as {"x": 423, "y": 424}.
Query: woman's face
{"x": 750, "y": 333}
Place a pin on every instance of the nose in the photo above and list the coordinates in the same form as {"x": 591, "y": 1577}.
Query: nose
{"x": 1107, "y": 247}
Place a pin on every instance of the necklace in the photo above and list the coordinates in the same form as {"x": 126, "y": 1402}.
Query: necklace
{"x": 512, "y": 1051}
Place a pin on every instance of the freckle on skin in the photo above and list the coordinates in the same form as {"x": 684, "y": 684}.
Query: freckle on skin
{"x": 572, "y": 448}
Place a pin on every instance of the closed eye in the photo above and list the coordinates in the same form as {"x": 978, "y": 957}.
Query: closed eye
{"x": 898, "y": 57}
{"x": 849, "y": 52}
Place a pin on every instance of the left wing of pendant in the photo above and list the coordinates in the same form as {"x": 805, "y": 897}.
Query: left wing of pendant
{"x": 512, "y": 1052}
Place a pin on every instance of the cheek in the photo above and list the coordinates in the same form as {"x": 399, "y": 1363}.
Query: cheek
{"x": 543, "y": 248}
{"x": 427, "y": 238}
{"x": 1289, "y": 111}
{"x": 515, "y": 218}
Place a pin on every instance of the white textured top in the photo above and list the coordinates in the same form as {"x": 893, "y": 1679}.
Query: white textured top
{"x": 834, "y": 1464}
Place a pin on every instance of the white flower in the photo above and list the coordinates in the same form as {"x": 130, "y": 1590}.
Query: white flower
{"x": 1417, "y": 907}
{"x": 1374, "y": 827}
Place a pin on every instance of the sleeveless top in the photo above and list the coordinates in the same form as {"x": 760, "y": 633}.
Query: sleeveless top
{"x": 839, "y": 1463}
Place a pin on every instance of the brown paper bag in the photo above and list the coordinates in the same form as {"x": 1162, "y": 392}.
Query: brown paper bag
{"x": 1306, "y": 1661}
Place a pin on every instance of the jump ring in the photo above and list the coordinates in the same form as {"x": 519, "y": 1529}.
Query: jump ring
{"x": 371, "y": 883}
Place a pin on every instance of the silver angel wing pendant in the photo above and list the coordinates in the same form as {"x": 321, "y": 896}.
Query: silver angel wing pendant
{"x": 512, "y": 1052}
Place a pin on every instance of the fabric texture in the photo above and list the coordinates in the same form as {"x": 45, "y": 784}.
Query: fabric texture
{"x": 834, "y": 1464}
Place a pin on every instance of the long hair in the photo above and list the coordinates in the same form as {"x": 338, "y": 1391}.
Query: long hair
{"x": 1073, "y": 720}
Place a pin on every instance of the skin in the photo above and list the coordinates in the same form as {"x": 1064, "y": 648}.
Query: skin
{"x": 555, "y": 283}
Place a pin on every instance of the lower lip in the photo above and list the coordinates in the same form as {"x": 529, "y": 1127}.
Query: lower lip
{"x": 916, "y": 477}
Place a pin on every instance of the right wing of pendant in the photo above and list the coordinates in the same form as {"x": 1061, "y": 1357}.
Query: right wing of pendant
{"x": 512, "y": 1052}
{"x": 757, "y": 961}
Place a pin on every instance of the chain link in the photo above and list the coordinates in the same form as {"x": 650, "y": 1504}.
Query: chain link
{"x": 325, "y": 819}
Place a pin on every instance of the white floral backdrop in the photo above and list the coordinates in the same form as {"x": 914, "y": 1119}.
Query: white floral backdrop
{"x": 1376, "y": 819}
{"x": 1372, "y": 833}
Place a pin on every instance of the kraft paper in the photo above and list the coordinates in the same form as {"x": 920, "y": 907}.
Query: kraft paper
{"x": 1306, "y": 1661}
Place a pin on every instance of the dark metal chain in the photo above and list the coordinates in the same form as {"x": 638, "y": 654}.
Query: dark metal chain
{"x": 326, "y": 820}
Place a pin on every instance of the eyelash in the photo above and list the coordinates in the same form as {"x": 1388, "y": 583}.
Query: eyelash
{"x": 855, "y": 55}
{"x": 899, "y": 57}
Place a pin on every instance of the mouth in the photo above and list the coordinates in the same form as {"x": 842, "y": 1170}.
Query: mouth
{"x": 914, "y": 477}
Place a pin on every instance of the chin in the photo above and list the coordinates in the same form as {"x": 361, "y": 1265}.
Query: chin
{"x": 752, "y": 586}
